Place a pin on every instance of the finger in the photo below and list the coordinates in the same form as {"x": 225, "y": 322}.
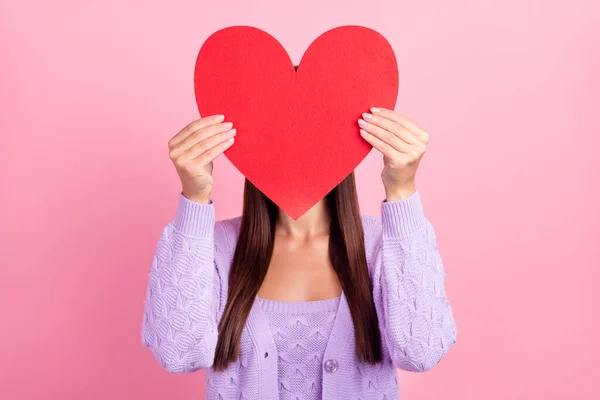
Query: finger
{"x": 380, "y": 145}
{"x": 391, "y": 126}
{"x": 199, "y": 136}
{"x": 385, "y": 136}
{"x": 210, "y": 154}
{"x": 193, "y": 127}
{"x": 208, "y": 144}
{"x": 399, "y": 118}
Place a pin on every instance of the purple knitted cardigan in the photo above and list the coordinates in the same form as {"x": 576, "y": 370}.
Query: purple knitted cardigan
{"x": 187, "y": 291}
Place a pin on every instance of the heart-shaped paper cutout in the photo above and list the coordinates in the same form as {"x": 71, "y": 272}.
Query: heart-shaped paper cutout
{"x": 297, "y": 132}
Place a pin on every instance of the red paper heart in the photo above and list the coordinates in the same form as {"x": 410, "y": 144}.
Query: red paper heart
{"x": 297, "y": 132}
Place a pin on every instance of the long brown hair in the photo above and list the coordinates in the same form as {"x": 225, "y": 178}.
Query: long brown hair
{"x": 253, "y": 255}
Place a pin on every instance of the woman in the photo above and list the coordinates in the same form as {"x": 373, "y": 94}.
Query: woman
{"x": 326, "y": 306}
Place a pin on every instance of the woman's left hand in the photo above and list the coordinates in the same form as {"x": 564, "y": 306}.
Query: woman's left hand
{"x": 402, "y": 144}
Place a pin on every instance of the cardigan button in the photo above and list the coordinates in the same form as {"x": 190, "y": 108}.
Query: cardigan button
{"x": 331, "y": 365}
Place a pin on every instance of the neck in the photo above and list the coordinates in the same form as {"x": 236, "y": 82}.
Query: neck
{"x": 315, "y": 221}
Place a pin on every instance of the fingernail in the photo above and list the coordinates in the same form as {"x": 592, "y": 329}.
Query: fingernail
{"x": 219, "y": 118}
{"x": 367, "y": 116}
{"x": 362, "y": 123}
{"x": 231, "y": 133}
{"x": 230, "y": 141}
{"x": 227, "y": 125}
{"x": 375, "y": 110}
{"x": 363, "y": 133}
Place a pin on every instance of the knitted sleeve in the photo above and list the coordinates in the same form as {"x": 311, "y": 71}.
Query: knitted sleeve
{"x": 416, "y": 321}
{"x": 180, "y": 311}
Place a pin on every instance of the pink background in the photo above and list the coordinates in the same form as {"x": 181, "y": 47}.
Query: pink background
{"x": 91, "y": 91}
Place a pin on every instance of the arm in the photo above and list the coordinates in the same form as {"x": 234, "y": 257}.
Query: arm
{"x": 179, "y": 323}
{"x": 415, "y": 316}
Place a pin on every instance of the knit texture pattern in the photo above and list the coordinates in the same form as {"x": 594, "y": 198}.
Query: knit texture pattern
{"x": 187, "y": 292}
{"x": 300, "y": 331}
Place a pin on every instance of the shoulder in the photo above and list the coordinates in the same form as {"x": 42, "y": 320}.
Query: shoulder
{"x": 372, "y": 231}
{"x": 372, "y": 227}
{"x": 227, "y": 232}
{"x": 225, "y": 238}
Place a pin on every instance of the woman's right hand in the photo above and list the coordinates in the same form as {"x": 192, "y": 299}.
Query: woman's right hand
{"x": 193, "y": 150}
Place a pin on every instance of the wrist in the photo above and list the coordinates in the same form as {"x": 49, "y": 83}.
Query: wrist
{"x": 198, "y": 198}
{"x": 400, "y": 192}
